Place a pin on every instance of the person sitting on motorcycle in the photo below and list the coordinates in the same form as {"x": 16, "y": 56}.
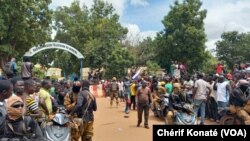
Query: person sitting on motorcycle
{"x": 17, "y": 126}
{"x": 161, "y": 91}
{"x": 177, "y": 97}
{"x": 240, "y": 101}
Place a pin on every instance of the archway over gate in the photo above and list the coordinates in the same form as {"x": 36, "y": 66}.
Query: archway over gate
{"x": 56, "y": 45}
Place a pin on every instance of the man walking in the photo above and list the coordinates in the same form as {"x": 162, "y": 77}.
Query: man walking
{"x": 114, "y": 89}
{"x": 144, "y": 100}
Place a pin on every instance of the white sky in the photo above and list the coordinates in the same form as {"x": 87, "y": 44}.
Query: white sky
{"x": 223, "y": 15}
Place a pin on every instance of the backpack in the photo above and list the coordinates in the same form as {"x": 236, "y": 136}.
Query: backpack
{"x": 114, "y": 86}
{"x": 9, "y": 68}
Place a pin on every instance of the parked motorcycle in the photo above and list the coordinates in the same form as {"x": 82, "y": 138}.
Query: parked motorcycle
{"x": 162, "y": 108}
{"x": 228, "y": 118}
{"x": 59, "y": 129}
{"x": 184, "y": 114}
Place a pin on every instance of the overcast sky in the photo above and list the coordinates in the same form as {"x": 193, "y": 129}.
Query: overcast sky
{"x": 143, "y": 17}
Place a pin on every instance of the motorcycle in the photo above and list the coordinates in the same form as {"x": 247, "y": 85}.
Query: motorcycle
{"x": 184, "y": 114}
{"x": 228, "y": 118}
{"x": 59, "y": 129}
{"x": 162, "y": 108}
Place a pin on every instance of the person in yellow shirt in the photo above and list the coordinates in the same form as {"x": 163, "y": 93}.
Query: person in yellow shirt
{"x": 133, "y": 94}
{"x": 45, "y": 98}
{"x": 161, "y": 91}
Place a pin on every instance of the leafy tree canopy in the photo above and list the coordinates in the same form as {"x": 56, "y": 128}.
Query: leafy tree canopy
{"x": 183, "y": 38}
{"x": 23, "y": 23}
{"x": 234, "y": 47}
{"x": 95, "y": 32}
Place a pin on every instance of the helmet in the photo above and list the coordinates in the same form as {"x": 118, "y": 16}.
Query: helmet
{"x": 114, "y": 78}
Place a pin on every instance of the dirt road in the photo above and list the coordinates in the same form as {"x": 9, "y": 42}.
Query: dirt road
{"x": 111, "y": 125}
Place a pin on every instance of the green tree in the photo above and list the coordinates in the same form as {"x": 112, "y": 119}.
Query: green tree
{"x": 118, "y": 63}
{"x": 23, "y": 24}
{"x": 233, "y": 48}
{"x": 183, "y": 38}
{"x": 143, "y": 52}
{"x": 72, "y": 27}
{"x": 40, "y": 74}
{"x": 209, "y": 65}
{"x": 152, "y": 67}
{"x": 106, "y": 34}
{"x": 95, "y": 32}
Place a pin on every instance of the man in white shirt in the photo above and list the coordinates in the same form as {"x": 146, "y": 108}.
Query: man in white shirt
{"x": 223, "y": 90}
{"x": 188, "y": 85}
{"x": 121, "y": 90}
{"x": 200, "y": 96}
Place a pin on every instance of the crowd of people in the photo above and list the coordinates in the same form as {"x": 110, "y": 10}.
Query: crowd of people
{"x": 209, "y": 94}
{"x": 27, "y": 105}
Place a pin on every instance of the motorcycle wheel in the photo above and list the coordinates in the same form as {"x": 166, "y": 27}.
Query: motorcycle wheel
{"x": 238, "y": 121}
{"x": 227, "y": 120}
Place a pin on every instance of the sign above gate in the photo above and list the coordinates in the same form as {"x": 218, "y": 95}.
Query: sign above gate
{"x": 54, "y": 45}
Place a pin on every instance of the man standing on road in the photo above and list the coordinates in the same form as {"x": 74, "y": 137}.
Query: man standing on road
{"x": 86, "y": 103}
{"x": 143, "y": 100}
{"x": 114, "y": 89}
{"x": 70, "y": 103}
{"x": 200, "y": 96}
{"x": 127, "y": 94}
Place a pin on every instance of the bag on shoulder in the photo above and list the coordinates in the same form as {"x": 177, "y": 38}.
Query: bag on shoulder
{"x": 8, "y": 68}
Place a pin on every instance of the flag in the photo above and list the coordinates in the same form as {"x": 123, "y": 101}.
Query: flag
{"x": 136, "y": 74}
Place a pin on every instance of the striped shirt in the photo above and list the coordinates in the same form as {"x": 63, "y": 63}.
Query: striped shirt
{"x": 31, "y": 105}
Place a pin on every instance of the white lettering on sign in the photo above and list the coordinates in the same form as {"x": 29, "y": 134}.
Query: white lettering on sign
{"x": 54, "y": 45}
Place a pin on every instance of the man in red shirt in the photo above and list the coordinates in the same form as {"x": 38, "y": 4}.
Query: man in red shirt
{"x": 219, "y": 68}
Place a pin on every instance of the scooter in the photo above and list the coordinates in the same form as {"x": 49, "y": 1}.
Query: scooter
{"x": 59, "y": 129}
{"x": 184, "y": 115}
{"x": 162, "y": 108}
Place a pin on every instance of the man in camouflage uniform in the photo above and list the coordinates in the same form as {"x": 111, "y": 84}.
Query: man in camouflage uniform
{"x": 70, "y": 103}
{"x": 86, "y": 104}
{"x": 114, "y": 89}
